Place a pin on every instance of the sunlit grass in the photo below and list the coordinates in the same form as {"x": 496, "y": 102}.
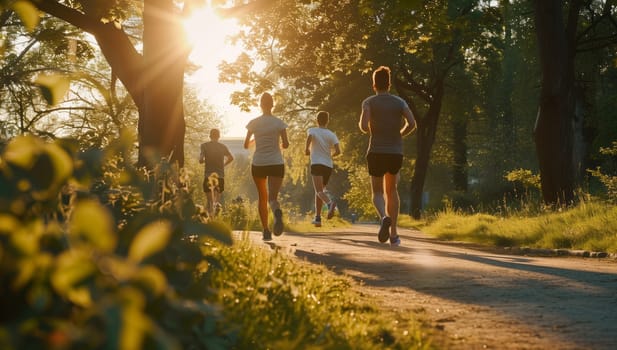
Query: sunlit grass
{"x": 275, "y": 302}
{"x": 409, "y": 222}
{"x": 589, "y": 226}
{"x": 305, "y": 225}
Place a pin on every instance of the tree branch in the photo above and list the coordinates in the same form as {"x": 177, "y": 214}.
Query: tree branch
{"x": 118, "y": 50}
{"x": 409, "y": 83}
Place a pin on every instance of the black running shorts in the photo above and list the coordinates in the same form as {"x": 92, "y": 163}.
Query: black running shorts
{"x": 263, "y": 171}
{"x": 321, "y": 170}
{"x": 381, "y": 163}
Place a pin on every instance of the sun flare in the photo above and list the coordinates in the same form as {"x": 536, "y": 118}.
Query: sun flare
{"x": 209, "y": 36}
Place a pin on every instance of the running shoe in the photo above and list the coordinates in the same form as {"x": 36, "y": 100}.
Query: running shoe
{"x": 384, "y": 230}
{"x": 267, "y": 236}
{"x": 316, "y": 221}
{"x": 395, "y": 241}
{"x": 277, "y": 228}
{"x": 331, "y": 208}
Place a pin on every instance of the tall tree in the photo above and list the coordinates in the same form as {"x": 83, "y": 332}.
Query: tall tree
{"x": 562, "y": 31}
{"x": 154, "y": 77}
{"x": 424, "y": 56}
{"x": 553, "y": 131}
{"x": 28, "y": 56}
{"x": 309, "y": 45}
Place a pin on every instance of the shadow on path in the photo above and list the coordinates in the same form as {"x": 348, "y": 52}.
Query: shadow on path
{"x": 576, "y": 302}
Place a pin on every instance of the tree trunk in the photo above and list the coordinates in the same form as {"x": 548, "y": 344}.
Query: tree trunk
{"x": 553, "y": 130}
{"x": 427, "y": 128}
{"x": 459, "y": 171}
{"x": 161, "y": 126}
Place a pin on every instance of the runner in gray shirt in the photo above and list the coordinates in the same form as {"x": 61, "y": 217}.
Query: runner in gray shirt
{"x": 216, "y": 156}
{"x": 387, "y": 118}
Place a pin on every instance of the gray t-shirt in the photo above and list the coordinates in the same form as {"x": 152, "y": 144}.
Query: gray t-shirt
{"x": 267, "y": 130}
{"x": 385, "y": 123}
{"x": 214, "y": 156}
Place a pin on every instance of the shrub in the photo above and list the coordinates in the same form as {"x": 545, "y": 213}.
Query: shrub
{"x": 109, "y": 268}
{"x": 609, "y": 181}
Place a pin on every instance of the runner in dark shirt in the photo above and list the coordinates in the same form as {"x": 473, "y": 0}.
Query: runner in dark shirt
{"x": 215, "y": 155}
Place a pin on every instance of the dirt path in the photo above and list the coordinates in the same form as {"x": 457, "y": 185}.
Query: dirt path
{"x": 476, "y": 298}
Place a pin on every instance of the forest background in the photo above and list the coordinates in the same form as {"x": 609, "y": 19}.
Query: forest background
{"x": 503, "y": 91}
{"x": 102, "y": 245}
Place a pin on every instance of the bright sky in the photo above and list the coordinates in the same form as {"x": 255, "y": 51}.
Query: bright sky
{"x": 209, "y": 33}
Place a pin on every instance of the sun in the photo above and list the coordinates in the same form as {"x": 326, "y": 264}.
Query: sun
{"x": 209, "y": 35}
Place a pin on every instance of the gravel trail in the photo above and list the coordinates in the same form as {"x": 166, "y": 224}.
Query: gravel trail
{"x": 473, "y": 297}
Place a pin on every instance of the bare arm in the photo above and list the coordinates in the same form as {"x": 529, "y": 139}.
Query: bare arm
{"x": 410, "y": 122}
{"x": 202, "y": 155}
{"x": 337, "y": 150}
{"x": 365, "y": 117}
{"x": 307, "y": 149}
{"x": 285, "y": 141}
{"x": 228, "y": 157}
{"x": 247, "y": 139}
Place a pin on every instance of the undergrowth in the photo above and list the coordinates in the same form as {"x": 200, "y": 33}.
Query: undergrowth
{"x": 591, "y": 225}
{"x": 274, "y": 302}
{"x": 98, "y": 254}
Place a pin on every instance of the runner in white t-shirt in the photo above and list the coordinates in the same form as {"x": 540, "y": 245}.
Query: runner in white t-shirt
{"x": 319, "y": 145}
{"x": 269, "y": 134}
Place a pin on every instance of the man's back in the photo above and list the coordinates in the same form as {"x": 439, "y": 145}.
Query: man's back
{"x": 385, "y": 123}
{"x": 213, "y": 154}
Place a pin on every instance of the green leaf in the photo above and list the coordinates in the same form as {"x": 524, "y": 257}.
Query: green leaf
{"x": 72, "y": 268}
{"x": 25, "y": 240}
{"x": 50, "y": 171}
{"x": 53, "y": 87}
{"x": 21, "y": 151}
{"x": 150, "y": 239}
{"x": 62, "y": 162}
{"x": 28, "y": 13}
{"x": 93, "y": 223}
{"x": 152, "y": 279}
{"x": 8, "y": 224}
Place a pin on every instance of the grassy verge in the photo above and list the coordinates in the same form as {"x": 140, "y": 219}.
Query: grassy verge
{"x": 589, "y": 226}
{"x": 272, "y": 301}
{"x": 305, "y": 225}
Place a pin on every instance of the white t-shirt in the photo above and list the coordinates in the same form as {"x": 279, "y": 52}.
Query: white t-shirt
{"x": 321, "y": 146}
{"x": 267, "y": 130}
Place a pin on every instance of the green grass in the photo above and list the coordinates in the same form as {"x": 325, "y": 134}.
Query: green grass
{"x": 273, "y": 301}
{"x": 305, "y": 225}
{"x": 589, "y": 226}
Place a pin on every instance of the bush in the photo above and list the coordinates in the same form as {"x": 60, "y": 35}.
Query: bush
{"x": 109, "y": 268}
{"x": 609, "y": 181}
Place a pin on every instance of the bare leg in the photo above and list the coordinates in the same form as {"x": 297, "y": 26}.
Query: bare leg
{"x": 209, "y": 203}
{"x": 377, "y": 184}
{"x": 392, "y": 200}
{"x": 274, "y": 185}
{"x": 216, "y": 196}
{"x": 262, "y": 201}
{"x": 216, "y": 201}
{"x": 320, "y": 196}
